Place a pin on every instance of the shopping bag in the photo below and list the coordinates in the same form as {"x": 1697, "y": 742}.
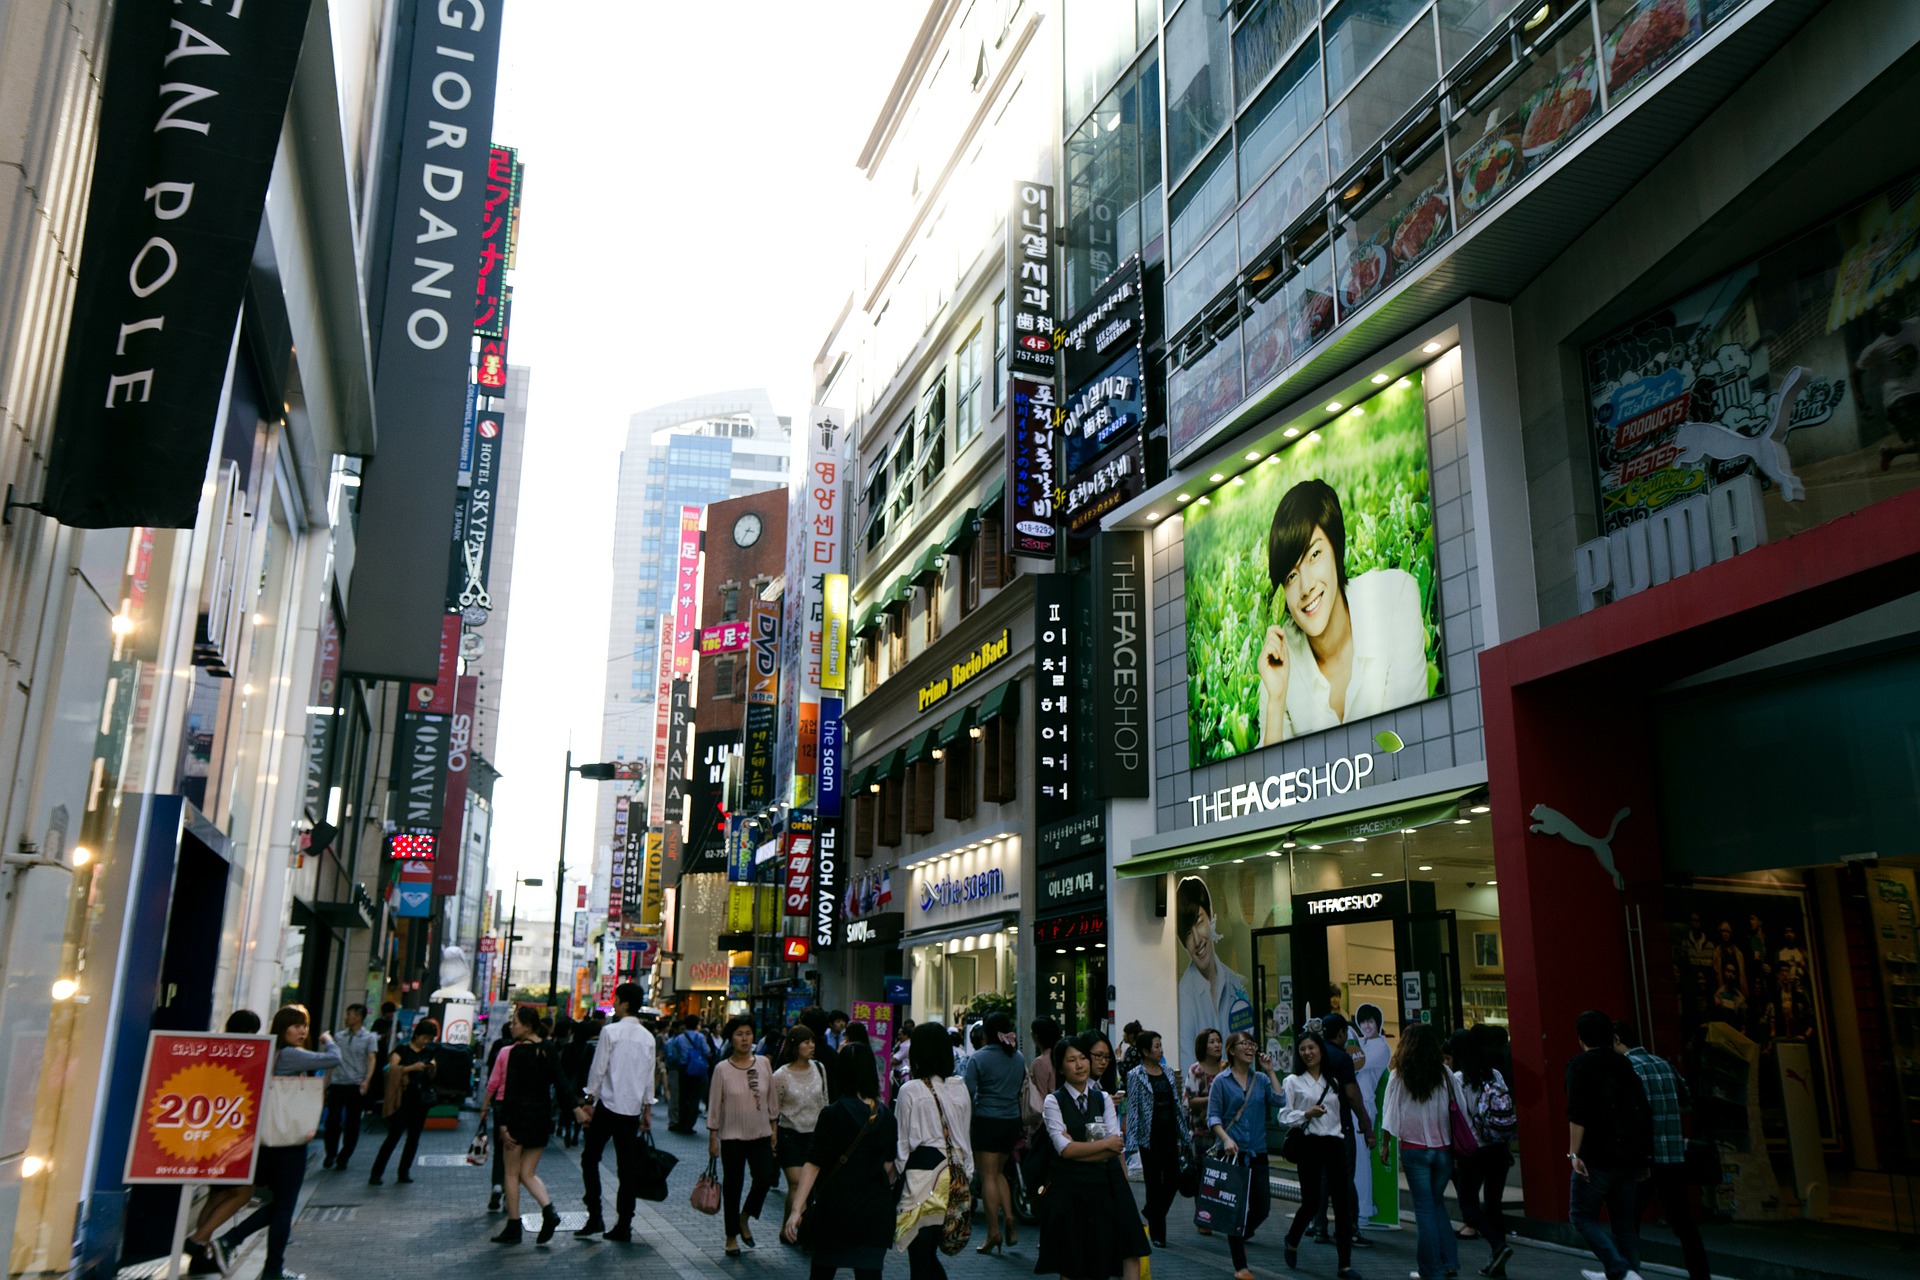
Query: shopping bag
{"x": 291, "y": 1114}
{"x": 655, "y": 1167}
{"x": 477, "y": 1149}
{"x": 1221, "y": 1204}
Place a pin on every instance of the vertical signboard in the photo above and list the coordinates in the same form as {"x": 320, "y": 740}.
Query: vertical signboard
{"x": 686, "y": 592}
{"x": 501, "y": 212}
{"x": 189, "y": 124}
{"x": 1121, "y": 743}
{"x": 799, "y": 869}
{"x": 425, "y": 334}
{"x": 633, "y": 859}
{"x": 1031, "y": 465}
{"x": 473, "y": 525}
{"x": 419, "y": 770}
{"x": 833, "y": 652}
{"x": 491, "y": 371}
{"x": 321, "y": 731}
{"x": 739, "y": 851}
{"x": 1103, "y": 418}
{"x": 1030, "y": 280}
{"x": 763, "y": 694}
{"x": 1053, "y": 683}
{"x": 437, "y": 697}
{"x": 819, "y": 539}
{"x": 446, "y": 854}
{"x": 827, "y": 875}
{"x": 1031, "y": 469}
{"x": 832, "y": 759}
{"x": 616, "y": 903}
{"x": 652, "y": 885}
{"x": 679, "y": 719}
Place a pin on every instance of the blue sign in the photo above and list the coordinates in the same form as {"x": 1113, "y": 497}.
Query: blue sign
{"x": 1105, "y": 413}
{"x": 739, "y": 852}
{"x": 898, "y": 990}
{"x": 739, "y": 982}
{"x": 832, "y": 757}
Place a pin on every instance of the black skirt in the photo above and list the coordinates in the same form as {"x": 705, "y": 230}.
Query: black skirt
{"x": 994, "y": 1136}
{"x": 530, "y": 1125}
{"x": 1092, "y": 1224}
{"x": 795, "y": 1148}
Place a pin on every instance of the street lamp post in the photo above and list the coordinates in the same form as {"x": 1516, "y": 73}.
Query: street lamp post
{"x": 603, "y": 772}
{"x": 513, "y": 935}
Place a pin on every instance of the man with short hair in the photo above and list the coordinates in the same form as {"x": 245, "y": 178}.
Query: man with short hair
{"x": 1609, "y": 1145}
{"x": 347, "y": 1087}
{"x": 1355, "y": 1121}
{"x": 837, "y": 1029}
{"x": 619, "y": 1106}
{"x": 690, "y": 1058}
{"x": 1667, "y": 1095}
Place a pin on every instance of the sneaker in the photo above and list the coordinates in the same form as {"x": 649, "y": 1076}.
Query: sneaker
{"x": 221, "y": 1251}
{"x": 1594, "y": 1275}
{"x": 327, "y": 1163}
{"x": 1361, "y": 1242}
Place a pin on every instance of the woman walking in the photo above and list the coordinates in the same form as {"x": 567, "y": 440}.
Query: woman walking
{"x": 1100, "y": 1058}
{"x": 1482, "y": 1176}
{"x": 279, "y": 1171}
{"x": 409, "y": 1096}
{"x": 1092, "y": 1228}
{"x": 1157, "y": 1130}
{"x": 743, "y": 1117}
{"x": 1237, "y": 1105}
{"x": 1419, "y": 1089}
{"x": 1310, "y": 1099}
{"x": 935, "y": 1121}
{"x": 994, "y": 1079}
{"x": 800, "y": 1089}
{"x": 844, "y": 1196}
{"x": 524, "y": 1081}
{"x": 1209, "y": 1060}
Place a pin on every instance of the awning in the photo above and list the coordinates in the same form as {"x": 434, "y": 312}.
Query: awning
{"x": 1205, "y": 854}
{"x": 991, "y": 497}
{"x": 962, "y": 531}
{"x": 899, "y": 592}
{"x": 953, "y": 728}
{"x": 1403, "y": 816}
{"x": 920, "y": 748}
{"x": 857, "y": 784}
{"x": 893, "y": 766}
{"x": 928, "y": 566}
{"x": 869, "y": 620}
{"x": 1003, "y": 701}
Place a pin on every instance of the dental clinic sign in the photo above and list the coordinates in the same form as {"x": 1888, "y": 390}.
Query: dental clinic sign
{"x": 1283, "y": 790}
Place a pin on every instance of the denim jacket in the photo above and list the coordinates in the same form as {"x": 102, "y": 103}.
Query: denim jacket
{"x": 1139, "y": 1122}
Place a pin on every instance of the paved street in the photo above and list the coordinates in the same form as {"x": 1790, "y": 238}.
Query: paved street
{"x": 439, "y": 1226}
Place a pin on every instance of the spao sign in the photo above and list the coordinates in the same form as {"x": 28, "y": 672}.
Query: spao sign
{"x": 1283, "y": 790}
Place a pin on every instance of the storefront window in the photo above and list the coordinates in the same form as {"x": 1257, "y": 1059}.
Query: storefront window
{"x": 1107, "y": 159}
{"x": 1198, "y": 68}
{"x": 1285, "y": 111}
{"x": 1204, "y": 390}
{"x": 1524, "y": 124}
{"x": 956, "y": 979}
{"x": 1358, "y": 31}
{"x": 1198, "y": 206}
{"x": 1386, "y": 94}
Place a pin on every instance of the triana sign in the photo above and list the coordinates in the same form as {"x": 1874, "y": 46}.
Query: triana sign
{"x": 990, "y": 654}
{"x": 1283, "y": 790}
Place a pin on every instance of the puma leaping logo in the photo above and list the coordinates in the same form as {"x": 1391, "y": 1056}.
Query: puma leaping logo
{"x": 1552, "y": 822}
{"x": 1699, "y": 440}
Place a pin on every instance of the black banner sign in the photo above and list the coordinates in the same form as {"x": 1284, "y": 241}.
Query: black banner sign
{"x": 1106, "y": 484}
{"x": 189, "y": 123}
{"x": 1030, "y": 280}
{"x": 1103, "y": 413}
{"x": 1032, "y": 469}
{"x": 1053, "y": 683}
{"x": 1113, "y": 322}
{"x": 437, "y": 189}
{"x": 421, "y": 742}
{"x": 473, "y": 535}
{"x": 1073, "y": 883}
{"x": 633, "y": 869}
{"x": 1120, "y": 615}
{"x": 759, "y": 755}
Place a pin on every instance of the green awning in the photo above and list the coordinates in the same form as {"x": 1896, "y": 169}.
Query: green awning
{"x": 1003, "y": 701}
{"x": 928, "y": 565}
{"x": 1210, "y": 853}
{"x": 920, "y": 748}
{"x": 900, "y": 591}
{"x": 857, "y": 785}
{"x": 962, "y": 531}
{"x": 869, "y": 620}
{"x": 1384, "y": 818}
{"x": 954, "y": 727}
{"x": 992, "y": 496}
{"x": 893, "y": 766}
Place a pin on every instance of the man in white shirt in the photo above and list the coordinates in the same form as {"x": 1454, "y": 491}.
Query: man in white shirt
{"x": 620, "y": 1090}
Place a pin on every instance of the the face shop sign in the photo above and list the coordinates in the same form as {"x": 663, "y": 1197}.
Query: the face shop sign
{"x": 1283, "y": 790}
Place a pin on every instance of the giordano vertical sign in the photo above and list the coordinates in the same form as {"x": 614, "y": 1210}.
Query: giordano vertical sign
{"x": 988, "y": 655}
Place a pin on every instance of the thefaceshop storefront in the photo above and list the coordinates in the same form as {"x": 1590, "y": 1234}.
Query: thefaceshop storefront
{"x": 963, "y": 920}
{"x": 1320, "y": 834}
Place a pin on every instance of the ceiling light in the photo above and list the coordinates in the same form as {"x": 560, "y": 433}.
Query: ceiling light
{"x": 1426, "y": 868}
{"x": 1205, "y": 501}
{"x": 1099, "y": 946}
{"x": 1153, "y": 515}
{"x": 1377, "y": 875}
{"x": 1463, "y": 822}
{"x": 1480, "y": 808}
{"x": 32, "y": 1166}
{"x": 1216, "y": 477}
{"x": 1291, "y": 432}
{"x": 259, "y": 619}
{"x": 939, "y": 753}
{"x": 1253, "y": 455}
{"x": 1334, "y": 406}
{"x": 1404, "y": 383}
{"x": 1406, "y": 831}
{"x": 1238, "y": 861}
{"x": 1431, "y": 347}
{"x": 1316, "y": 847}
{"x": 1287, "y": 844}
{"x": 82, "y": 855}
{"x": 1274, "y": 460}
{"x": 1538, "y": 16}
{"x": 1493, "y": 882}
{"x": 1359, "y": 839}
{"x": 1183, "y": 497}
{"x": 1379, "y": 379}
{"x": 1059, "y": 951}
{"x": 1079, "y": 948}
{"x": 1239, "y": 479}
{"x": 1273, "y": 853}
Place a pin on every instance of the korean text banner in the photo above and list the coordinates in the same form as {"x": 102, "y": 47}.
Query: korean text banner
{"x": 1031, "y": 469}
{"x": 189, "y": 123}
{"x": 1311, "y": 599}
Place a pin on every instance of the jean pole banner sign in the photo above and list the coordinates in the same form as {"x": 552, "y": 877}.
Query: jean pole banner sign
{"x": 473, "y": 539}
{"x": 1120, "y": 742}
{"x": 1030, "y": 280}
{"x": 446, "y": 854}
{"x": 437, "y": 189}
{"x": 421, "y": 743}
{"x": 1053, "y": 652}
{"x": 501, "y": 210}
{"x": 679, "y": 717}
{"x": 1112, "y": 325}
{"x": 1031, "y": 469}
{"x": 725, "y": 637}
{"x": 189, "y": 123}
{"x": 320, "y": 725}
{"x": 833, "y": 640}
{"x": 833, "y": 758}
{"x": 198, "y": 1120}
{"x": 827, "y": 874}
{"x": 799, "y": 878}
{"x": 1321, "y": 562}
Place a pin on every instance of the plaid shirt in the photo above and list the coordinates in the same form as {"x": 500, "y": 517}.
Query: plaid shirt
{"x": 1666, "y": 1094}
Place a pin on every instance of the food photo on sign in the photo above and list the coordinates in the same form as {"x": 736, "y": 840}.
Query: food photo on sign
{"x": 1311, "y": 598}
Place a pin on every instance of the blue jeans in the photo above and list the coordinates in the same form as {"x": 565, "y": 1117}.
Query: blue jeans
{"x": 1428, "y": 1169}
{"x": 1616, "y": 1190}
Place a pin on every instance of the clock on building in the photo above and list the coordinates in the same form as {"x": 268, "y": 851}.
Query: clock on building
{"x": 746, "y": 530}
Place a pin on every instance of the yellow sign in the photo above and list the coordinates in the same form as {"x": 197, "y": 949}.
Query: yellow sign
{"x": 833, "y": 638}
{"x": 740, "y": 913}
{"x": 650, "y": 887}
{"x": 990, "y": 654}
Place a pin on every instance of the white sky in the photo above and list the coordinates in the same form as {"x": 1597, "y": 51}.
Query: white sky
{"x": 685, "y": 229}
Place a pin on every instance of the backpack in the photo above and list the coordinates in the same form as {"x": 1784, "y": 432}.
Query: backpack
{"x": 677, "y": 1053}
{"x": 1493, "y": 1113}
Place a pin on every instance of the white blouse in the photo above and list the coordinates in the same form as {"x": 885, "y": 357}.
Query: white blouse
{"x": 1057, "y": 1124}
{"x": 918, "y": 1118}
{"x": 1421, "y": 1124}
{"x": 1301, "y": 1093}
{"x": 802, "y": 1091}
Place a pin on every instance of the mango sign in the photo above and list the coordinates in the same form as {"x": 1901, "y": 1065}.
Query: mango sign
{"x": 199, "y": 1113}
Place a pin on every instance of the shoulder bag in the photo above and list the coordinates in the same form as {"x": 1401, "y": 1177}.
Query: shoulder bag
{"x": 1031, "y": 1100}
{"x": 804, "y": 1235}
{"x": 1462, "y": 1141}
{"x": 958, "y": 1228}
{"x": 290, "y": 1111}
{"x": 1294, "y": 1145}
{"x": 706, "y": 1188}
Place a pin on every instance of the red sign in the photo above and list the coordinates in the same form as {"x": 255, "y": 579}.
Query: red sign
{"x": 437, "y": 697}
{"x": 489, "y": 943}
{"x": 583, "y": 897}
{"x": 496, "y": 231}
{"x": 199, "y": 1113}
{"x": 726, "y": 637}
{"x": 799, "y": 874}
{"x": 795, "y": 950}
{"x": 412, "y": 845}
{"x": 453, "y": 811}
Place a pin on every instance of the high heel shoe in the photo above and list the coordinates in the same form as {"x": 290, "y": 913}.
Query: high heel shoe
{"x": 1012, "y": 1236}
{"x": 992, "y": 1245}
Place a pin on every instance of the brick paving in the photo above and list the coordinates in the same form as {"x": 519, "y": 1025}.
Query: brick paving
{"x": 439, "y": 1226}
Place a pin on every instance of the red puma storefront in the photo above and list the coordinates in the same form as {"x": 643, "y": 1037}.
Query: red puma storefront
{"x": 1757, "y": 722}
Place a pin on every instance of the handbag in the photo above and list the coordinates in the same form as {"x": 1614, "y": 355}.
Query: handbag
{"x": 804, "y": 1233}
{"x": 706, "y": 1188}
{"x": 958, "y": 1227}
{"x": 653, "y": 1169}
{"x": 290, "y": 1111}
{"x": 477, "y": 1149}
{"x": 1031, "y": 1100}
{"x": 1463, "y": 1143}
{"x": 1221, "y": 1202}
{"x": 1294, "y": 1145}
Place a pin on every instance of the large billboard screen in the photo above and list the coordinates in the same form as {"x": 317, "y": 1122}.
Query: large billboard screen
{"x": 1311, "y": 598}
